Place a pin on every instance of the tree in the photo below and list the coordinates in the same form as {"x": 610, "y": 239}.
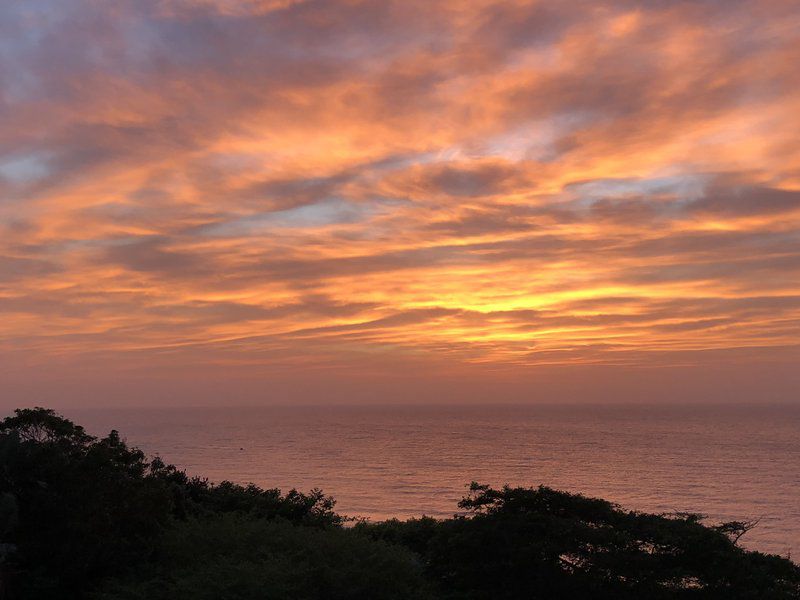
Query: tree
{"x": 542, "y": 543}
{"x": 76, "y": 509}
{"x": 85, "y": 517}
{"x": 86, "y": 507}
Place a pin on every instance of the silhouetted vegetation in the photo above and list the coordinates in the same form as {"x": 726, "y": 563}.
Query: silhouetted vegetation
{"x": 541, "y": 543}
{"x": 82, "y": 517}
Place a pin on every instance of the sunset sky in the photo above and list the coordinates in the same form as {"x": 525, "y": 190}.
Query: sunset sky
{"x": 258, "y": 201}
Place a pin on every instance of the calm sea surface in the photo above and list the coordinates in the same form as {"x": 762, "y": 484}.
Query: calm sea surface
{"x": 729, "y": 463}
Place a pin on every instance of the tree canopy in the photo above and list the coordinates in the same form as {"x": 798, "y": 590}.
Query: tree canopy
{"x": 87, "y": 517}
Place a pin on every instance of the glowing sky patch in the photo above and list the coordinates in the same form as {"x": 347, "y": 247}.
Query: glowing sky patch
{"x": 283, "y": 198}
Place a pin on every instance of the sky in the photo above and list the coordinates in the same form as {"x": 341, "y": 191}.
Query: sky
{"x": 220, "y": 202}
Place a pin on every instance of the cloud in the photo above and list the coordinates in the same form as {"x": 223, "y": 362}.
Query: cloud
{"x": 13, "y": 268}
{"x": 152, "y": 254}
{"x": 747, "y": 202}
{"x": 284, "y": 186}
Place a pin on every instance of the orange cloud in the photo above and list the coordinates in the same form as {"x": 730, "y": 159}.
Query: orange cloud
{"x": 341, "y": 191}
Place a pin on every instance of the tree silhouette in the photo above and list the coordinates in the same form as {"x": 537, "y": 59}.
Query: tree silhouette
{"x": 86, "y": 517}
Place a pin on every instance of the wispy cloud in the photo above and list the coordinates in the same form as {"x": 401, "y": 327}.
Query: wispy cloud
{"x": 338, "y": 187}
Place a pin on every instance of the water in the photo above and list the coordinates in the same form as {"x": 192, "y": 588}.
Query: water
{"x": 729, "y": 463}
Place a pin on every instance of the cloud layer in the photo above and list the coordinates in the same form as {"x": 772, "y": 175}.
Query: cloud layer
{"x": 320, "y": 193}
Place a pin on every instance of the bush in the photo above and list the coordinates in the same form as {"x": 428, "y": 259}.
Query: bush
{"x": 241, "y": 558}
{"x": 75, "y": 509}
{"x": 82, "y": 517}
{"x": 542, "y": 543}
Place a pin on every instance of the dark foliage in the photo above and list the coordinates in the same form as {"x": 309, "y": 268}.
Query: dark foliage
{"x": 82, "y": 517}
{"x": 84, "y": 506}
{"x": 245, "y": 558}
{"x": 76, "y": 509}
{"x": 542, "y": 543}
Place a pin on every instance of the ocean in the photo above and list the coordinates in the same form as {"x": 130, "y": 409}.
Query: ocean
{"x": 729, "y": 463}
